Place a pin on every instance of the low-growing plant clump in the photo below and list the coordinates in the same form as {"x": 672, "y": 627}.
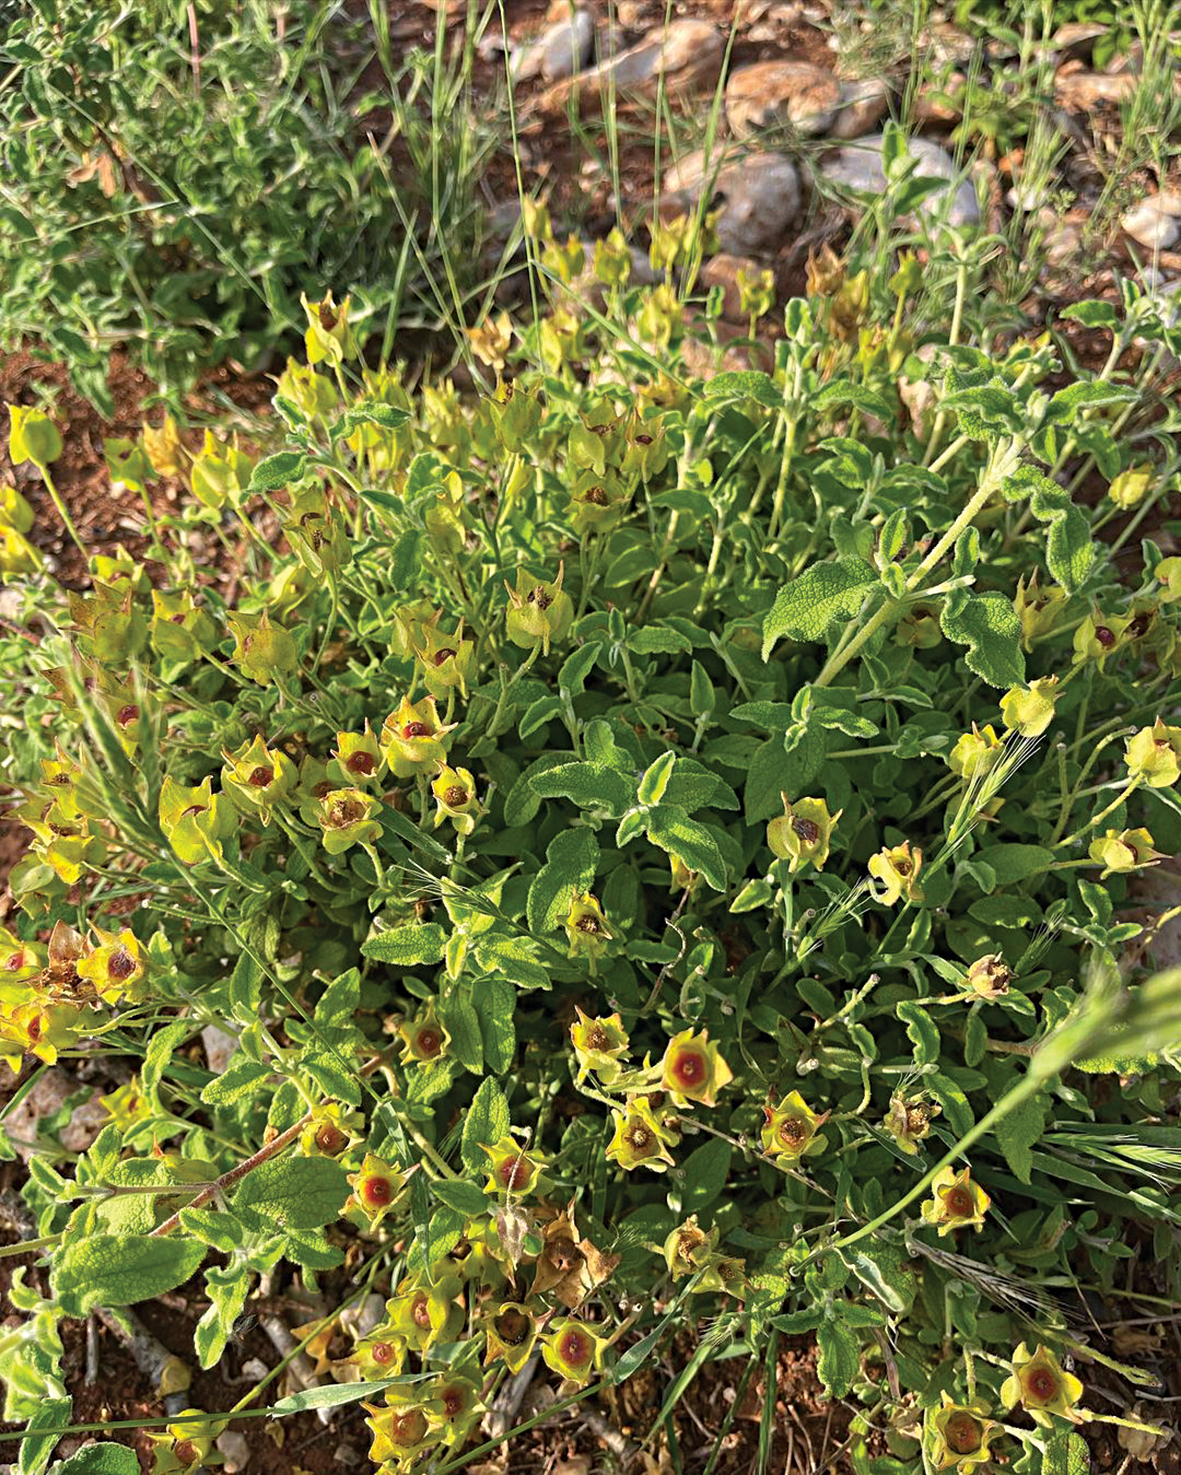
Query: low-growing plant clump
{"x": 661, "y": 846}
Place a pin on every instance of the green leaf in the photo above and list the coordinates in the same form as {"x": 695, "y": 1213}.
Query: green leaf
{"x": 35, "y": 1449}
{"x": 846, "y": 392}
{"x": 807, "y": 608}
{"x": 921, "y": 1029}
{"x": 227, "y": 1290}
{"x": 570, "y": 865}
{"x": 1018, "y": 1131}
{"x": 241, "y": 1078}
{"x": 772, "y": 770}
{"x": 1086, "y": 394}
{"x": 991, "y": 629}
{"x": 589, "y": 785}
{"x": 245, "y": 989}
{"x": 1013, "y": 863}
{"x": 275, "y": 472}
{"x": 435, "y": 1239}
{"x": 332, "y": 1395}
{"x": 743, "y": 384}
{"x": 487, "y": 1121}
{"x": 840, "y": 1358}
{"x": 292, "y": 1193}
{"x": 1069, "y": 550}
{"x": 495, "y": 1000}
{"x": 705, "y": 1172}
{"x": 577, "y": 667}
{"x": 408, "y": 947}
{"x": 160, "y": 1050}
{"x": 1065, "y": 1453}
{"x": 97, "y": 1459}
{"x": 655, "y": 779}
{"x": 465, "y": 1198}
{"x": 121, "y": 1269}
{"x": 657, "y": 640}
{"x": 883, "y": 1268}
{"x": 985, "y": 410}
{"x": 670, "y": 828}
{"x": 463, "y": 1024}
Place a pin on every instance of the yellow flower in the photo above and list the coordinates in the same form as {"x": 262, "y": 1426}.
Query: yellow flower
{"x": 357, "y": 759}
{"x": 1098, "y": 637}
{"x": 400, "y": 1432}
{"x": 127, "y": 1105}
{"x": 330, "y": 1131}
{"x": 1130, "y": 486}
{"x": 1168, "y": 573}
{"x": 348, "y": 817}
{"x": 490, "y": 341}
{"x": 976, "y": 752}
{"x": 1039, "y": 610}
{"x": 688, "y": 1248}
{"x": 961, "y": 1435}
{"x": 573, "y": 1349}
{"x": 898, "y": 871}
{"x": 446, "y": 660}
{"x": 412, "y": 738}
{"x": 424, "y": 1315}
{"x": 956, "y": 1202}
{"x": 376, "y": 1187}
{"x": 38, "y": 1028}
{"x": 599, "y": 1045}
{"x": 1042, "y": 1387}
{"x": 693, "y": 1070}
{"x": 1118, "y": 851}
{"x": 790, "y": 1128}
{"x": 539, "y": 613}
{"x": 455, "y": 794}
{"x": 424, "y": 1039}
{"x": 328, "y": 339}
{"x": 640, "y": 1140}
{"x": 586, "y": 927}
{"x": 1030, "y": 711}
{"x": 455, "y": 1405}
{"x": 257, "y": 778}
{"x": 116, "y": 966}
{"x": 32, "y": 436}
{"x": 514, "y": 1173}
{"x": 908, "y": 1121}
{"x": 510, "y": 1331}
{"x": 1154, "y": 754}
{"x": 802, "y": 832}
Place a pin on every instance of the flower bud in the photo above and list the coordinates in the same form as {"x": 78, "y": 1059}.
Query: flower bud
{"x": 564, "y": 259}
{"x": 640, "y": 1140}
{"x": 112, "y": 626}
{"x": 220, "y": 473}
{"x": 1131, "y": 486}
{"x": 180, "y": 631}
{"x": 314, "y": 394}
{"x": 163, "y": 447}
{"x": 756, "y": 292}
{"x": 516, "y": 415}
{"x": 491, "y": 340}
{"x": 1039, "y": 610}
{"x": 802, "y": 832}
{"x": 956, "y": 1202}
{"x": 613, "y": 260}
{"x": 32, "y": 436}
{"x": 17, "y": 554}
{"x": 790, "y": 1129}
{"x": 539, "y": 612}
{"x": 328, "y": 339}
{"x": 693, "y": 1070}
{"x": 16, "y": 513}
{"x": 989, "y": 976}
{"x": 264, "y": 651}
{"x": 1030, "y": 711}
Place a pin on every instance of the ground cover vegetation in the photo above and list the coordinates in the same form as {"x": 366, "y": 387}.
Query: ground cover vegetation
{"x": 659, "y": 846}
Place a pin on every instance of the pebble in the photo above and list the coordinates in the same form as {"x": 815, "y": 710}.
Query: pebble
{"x": 779, "y": 94}
{"x": 862, "y": 107}
{"x": 759, "y": 195}
{"x": 234, "y": 1448}
{"x": 1082, "y": 92}
{"x": 682, "y": 57}
{"x": 48, "y": 1096}
{"x": 220, "y": 1048}
{"x": 560, "y": 51}
{"x": 1156, "y": 221}
{"x": 858, "y": 166}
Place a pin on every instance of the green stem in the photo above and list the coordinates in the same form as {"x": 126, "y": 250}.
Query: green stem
{"x": 62, "y": 511}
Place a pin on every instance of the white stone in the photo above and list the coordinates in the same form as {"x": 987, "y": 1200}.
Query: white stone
{"x": 862, "y": 107}
{"x": 558, "y": 52}
{"x": 678, "y": 58}
{"x": 1156, "y": 221}
{"x": 220, "y": 1048}
{"x": 758, "y": 193}
{"x": 858, "y": 166}
{"x": 781, "y": 94}
{"x": 235, "y": 1449}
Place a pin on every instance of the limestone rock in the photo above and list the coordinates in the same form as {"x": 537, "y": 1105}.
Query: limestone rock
{"x": 682, "y": 57}
{"x": 781, "y": 94}
{"x": 1156, "y": 221}
{"x": 858, "y": 166}
{"x": 757, "y": 195}
{"x": 560, "y": 51}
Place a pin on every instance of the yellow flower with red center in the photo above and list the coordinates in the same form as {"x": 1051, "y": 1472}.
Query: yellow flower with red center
{"x": 455, "y": 795}
{"x": 1030, "y": 711}
{"x": 424, "y": 1039}
{"x": 897, "y": 868}
{"x": 790, "y": 1128}
{"x": 961, "y": 1434}
{"x": 1154, "y": 754}
{"x": 378, "y": 1355}
{"x": 1098, "y": 637}
{"x": 445, "y": 660}
{"x": 330, "y": 1131}
{"x": 423, "y": 1315}
{"x": 116, "y": 966}
{"x": 186, "y": 1444}
{"x": 693, "y": 1069}
{"x": 956, "y": 1202}
{"x": 573, "y": 1349}
{"x": 401, "y": 1431}
{"x": 357, "y": 760}
{"x": 454, "y": 1404}
{"x": 37, "y": 1028}
{"x": 376, "y": 1187}
{"x": 412, "y": 738}
{"x": 1042, "y": 1387}
{"x": 258, "y": 778}
{"x": 640, "y": 1140}
{"x": 514, "y": 1173}
{"x": 908, "y": 1121}
{"x": 510, "y": 1332}
{"x": 802, "y": 832}
{"x": 127, "y": 1105}
{"x": 599, "y": 1045}
{"x": 1118, "y": 851}
{"x": 348, "y": 817}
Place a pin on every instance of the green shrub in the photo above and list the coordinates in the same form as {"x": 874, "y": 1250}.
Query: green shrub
{"x": 661, "y": 846}
{"x": 179, "y": 195}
